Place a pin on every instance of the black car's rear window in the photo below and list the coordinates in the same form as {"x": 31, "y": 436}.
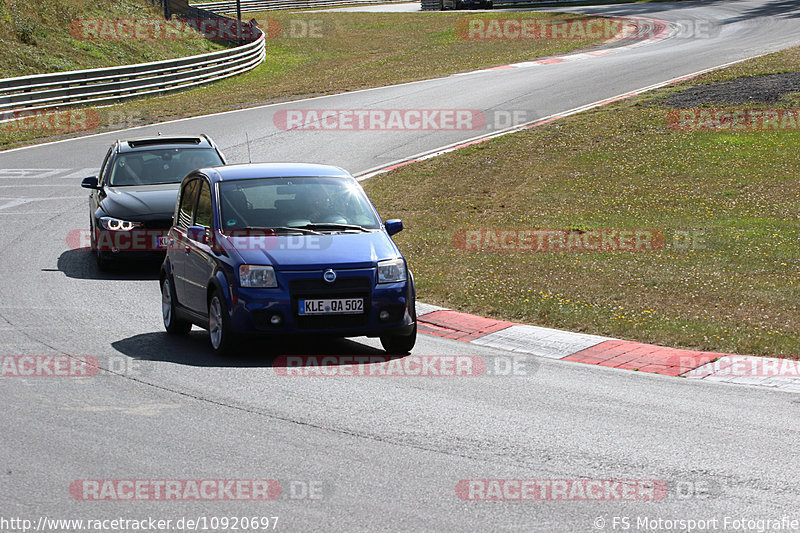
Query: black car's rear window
{"x": 152, "y": 167}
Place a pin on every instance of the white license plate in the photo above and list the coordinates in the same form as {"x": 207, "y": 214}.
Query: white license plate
{"x": 337, "y": 306}
{"x": 160, "y": 241}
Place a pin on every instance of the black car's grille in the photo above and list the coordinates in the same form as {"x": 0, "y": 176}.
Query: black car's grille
{"x": 358, "y": 287}
{"x": 158, "y": 224}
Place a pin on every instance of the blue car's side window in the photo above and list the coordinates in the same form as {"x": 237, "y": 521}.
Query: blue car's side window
{"x": 187, "y": 205}
{"x": 203, "y": 215}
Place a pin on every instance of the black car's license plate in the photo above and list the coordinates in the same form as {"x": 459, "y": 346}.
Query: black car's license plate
{"x": 160, "y": 242}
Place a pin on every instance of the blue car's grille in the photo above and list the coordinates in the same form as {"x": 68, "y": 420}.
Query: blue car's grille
{"x": 314, "y": 286}
{"x": 357, "y": 287}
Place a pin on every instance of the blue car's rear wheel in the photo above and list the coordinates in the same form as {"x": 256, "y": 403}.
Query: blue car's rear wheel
{"x": 219, "y": 325}
{"x": 172, "y": 323}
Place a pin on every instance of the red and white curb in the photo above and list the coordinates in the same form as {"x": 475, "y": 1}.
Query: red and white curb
{"x": 781, "y": 374}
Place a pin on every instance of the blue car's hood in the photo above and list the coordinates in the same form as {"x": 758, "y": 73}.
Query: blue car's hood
{"x": 310, "y": 252}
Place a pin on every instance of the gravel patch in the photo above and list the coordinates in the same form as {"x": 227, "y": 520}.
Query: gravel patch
{"x": 762, "y": 89}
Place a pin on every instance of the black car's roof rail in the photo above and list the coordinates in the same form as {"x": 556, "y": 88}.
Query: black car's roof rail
{"x": 208, "y": 139}
{"x": 164, "y": 140}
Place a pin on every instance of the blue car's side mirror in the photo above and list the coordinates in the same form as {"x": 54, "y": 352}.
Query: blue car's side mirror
{"x": 90, "y": 183}
{"x": 393, "y": 226}
{"x": 197, "y": 234}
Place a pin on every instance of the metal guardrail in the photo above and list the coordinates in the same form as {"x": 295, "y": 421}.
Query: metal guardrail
{"x": 106, "y": 85}
{"x": 442, "y": 5}
{"x": 229, "y": 6}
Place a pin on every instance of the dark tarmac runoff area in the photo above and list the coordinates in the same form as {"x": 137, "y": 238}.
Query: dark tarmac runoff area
{"x": 767, "y": 89}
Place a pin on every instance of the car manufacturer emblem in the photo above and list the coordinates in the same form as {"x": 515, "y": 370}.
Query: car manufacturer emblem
{"x": 329, "y": 276}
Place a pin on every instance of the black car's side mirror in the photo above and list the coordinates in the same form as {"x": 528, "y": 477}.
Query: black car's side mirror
{"x": 90, "y": 183}
{"x": 393, "y": 226}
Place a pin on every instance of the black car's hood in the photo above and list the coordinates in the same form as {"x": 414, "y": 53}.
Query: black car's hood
{"x": 141, "y": 203}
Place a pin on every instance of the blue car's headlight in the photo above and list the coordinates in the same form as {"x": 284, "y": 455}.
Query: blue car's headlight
{"x": 257, "y": 276}
{"x": 115, "y": 224}
{"x": 391, "y": 271}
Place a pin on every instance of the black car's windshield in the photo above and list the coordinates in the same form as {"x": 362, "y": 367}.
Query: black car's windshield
{"x": 152, "y": 167}
{"x": 323, "y": 204}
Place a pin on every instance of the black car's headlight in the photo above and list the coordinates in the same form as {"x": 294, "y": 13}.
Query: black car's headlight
{"x": 116, "y": 224}
{"x": 391, "y": 271}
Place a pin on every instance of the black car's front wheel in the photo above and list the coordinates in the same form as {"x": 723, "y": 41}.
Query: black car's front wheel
{"x": 172, "y": 323}
{"x": 220, "y": 333}
{"x": 103, "y": 261}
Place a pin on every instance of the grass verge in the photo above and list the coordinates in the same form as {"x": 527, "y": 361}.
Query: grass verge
{"x": 36, "y": 38}
{"x": 727, "y": 277}
{"x": 322, "y": 53}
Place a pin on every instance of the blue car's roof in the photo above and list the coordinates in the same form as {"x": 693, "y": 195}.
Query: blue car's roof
{"x": 272, "y": 170}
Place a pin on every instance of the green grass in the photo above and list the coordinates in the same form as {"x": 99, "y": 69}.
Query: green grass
{"x": 353, "y": 51}
{"x": 728, "y": 205}
{"x": 35, "y": 37}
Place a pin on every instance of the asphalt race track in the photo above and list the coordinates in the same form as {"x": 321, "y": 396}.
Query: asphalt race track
{"x": 368, "y": 454}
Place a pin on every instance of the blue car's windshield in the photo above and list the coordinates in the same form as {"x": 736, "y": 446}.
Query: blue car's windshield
{"x": 152, "y": 167}
{"x": 318, "y": 203}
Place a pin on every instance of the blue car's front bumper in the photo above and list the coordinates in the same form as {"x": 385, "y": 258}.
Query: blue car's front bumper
{"x": 252, "y": 310}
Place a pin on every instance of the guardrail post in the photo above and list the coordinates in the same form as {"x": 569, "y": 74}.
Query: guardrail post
{"x": 239, "y": 18}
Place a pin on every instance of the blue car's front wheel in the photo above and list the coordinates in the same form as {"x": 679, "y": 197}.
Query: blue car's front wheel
{"x": 219, "y": 325}
{"x": 399, "y": 344}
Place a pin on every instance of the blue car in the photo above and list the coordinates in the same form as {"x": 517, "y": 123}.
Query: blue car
{"x": 284, "y": 249}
